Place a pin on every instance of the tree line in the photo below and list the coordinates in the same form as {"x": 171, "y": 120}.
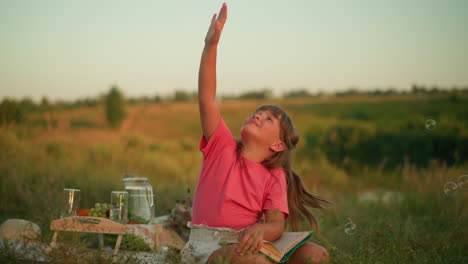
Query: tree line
{"x": 14, "y": 111}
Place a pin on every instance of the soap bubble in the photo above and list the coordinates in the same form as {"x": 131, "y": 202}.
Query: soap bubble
{"x": 350, "y": 228}
{"x": 450, "y": 188}
{"x": 430, "y": 124}
{"x": 462, "y": 182}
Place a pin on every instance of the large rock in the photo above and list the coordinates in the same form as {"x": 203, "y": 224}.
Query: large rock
{"x": 19, "y": 230}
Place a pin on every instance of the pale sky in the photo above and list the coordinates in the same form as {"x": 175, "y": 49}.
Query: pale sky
{"x": 67, "y": 49}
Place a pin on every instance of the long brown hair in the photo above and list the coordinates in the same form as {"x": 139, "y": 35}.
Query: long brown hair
{"x": 298, "y": 197}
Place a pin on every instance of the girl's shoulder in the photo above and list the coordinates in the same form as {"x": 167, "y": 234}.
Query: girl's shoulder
{"x": 277, "y": 172}
{"x": 277, "y": 178}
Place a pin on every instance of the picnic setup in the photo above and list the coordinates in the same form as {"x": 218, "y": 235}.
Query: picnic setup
{"x": 130, "y": 213}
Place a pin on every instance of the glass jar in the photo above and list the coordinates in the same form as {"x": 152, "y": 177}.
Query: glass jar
{"x": 140, "y": 198}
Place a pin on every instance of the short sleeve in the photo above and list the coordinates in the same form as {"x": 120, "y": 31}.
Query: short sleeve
{"x": 276, "y": 193}
{"x": 221, "y": 138}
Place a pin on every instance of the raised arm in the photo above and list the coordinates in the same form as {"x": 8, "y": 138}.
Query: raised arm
{"x": 209, "y": 111}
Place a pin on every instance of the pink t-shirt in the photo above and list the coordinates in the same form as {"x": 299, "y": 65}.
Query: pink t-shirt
{"x": 231, "y": 194}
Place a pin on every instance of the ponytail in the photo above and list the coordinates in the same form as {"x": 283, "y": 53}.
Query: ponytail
{"x": 298, "y": 201}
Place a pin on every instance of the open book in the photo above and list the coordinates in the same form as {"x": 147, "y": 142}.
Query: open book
{"x": 281, "y": 249}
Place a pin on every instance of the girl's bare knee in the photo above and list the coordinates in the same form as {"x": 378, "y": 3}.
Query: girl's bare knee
{"x": 252, "y": 259}
{"x": 310, "y": 253}
{"x": 321, "y": 255}
{"x": 223, "y": 255}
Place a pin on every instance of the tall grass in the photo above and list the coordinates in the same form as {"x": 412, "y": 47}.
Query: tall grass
{"x": 419, "y": 225}
{"x": 416, "y": 223}
{"x": 33, "y": 178}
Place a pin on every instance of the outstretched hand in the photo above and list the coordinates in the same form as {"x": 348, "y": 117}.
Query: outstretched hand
{"x": 216, "y": 26}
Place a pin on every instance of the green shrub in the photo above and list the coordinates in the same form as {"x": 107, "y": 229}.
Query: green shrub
{"x": 82, "y": 123}
{"x": 115, "y": 107}
{"x": 10, "y": 112}
{"x": 339, "y": 143}
{"x": 353, "y": 146}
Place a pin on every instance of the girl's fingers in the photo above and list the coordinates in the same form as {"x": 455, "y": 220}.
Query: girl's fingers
{"x": 216, "y": 26}
{"x": 250, "y": 244}
{"x": 257, "y": 243}
{"x": 223, "y": 13}
{"x": 240, "y": 248}
{"x": 253, "y": 243}
{"x": 250, "y": 247}
{"x": 258, "y": 247}
{"x": 219, "y": 28}
{"x": 244, "y": 245}
{"x": 240, "y": 244}
{"x": 221, "y": 10}
{"x": 213, "y": 19}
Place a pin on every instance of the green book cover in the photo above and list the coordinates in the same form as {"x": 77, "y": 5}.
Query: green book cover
{"x": 281, "y": 249}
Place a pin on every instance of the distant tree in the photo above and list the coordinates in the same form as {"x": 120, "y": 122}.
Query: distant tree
{"x": 454, "y": 95}
{"x": 132, "y": 101}
{"x": 115, "y": 107}
{"x": 27, "y": 104}
{"x": 10, "y": 112}
{"x": 63, "y": 104}
{"x": 227, "y": 97}
{"x": 375, "y": 92}
{"x": 390, "y": 91}
{"x": 262, "y": 94}
{"x": 46, "y": 108}
{"x": 379, "y": 92}
{"x": 464, "y": 90}
{"x": 45, "y": 104}
{"x": 87, "y": 102}
{"x": 350, "y": 92}
{"x": 418, "y": 89}
{"x": 145, "y": 99}
{"x": 90, "y": 102}
{"x": 302, "y": 93}
{"x": 183, "y": 96}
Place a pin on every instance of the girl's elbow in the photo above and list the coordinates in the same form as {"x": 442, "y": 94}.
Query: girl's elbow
{"x": 281, "y": 229}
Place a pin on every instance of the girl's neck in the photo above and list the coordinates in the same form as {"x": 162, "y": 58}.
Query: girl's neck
{"x": 254, "y": 153}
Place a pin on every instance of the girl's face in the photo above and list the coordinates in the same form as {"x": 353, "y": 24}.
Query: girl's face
{"x": 262, "y": 126}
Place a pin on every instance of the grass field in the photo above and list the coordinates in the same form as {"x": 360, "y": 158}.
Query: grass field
{"x": 401, "y": 213}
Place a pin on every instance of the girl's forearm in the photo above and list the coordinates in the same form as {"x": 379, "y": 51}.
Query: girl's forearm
{"x": 207, "y": 75}
{"x": 273, "y": 230}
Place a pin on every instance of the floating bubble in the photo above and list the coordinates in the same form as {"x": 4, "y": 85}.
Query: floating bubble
{"x": 430, "y": 124}
{"x": 350, "y": 228}
{"x": 462, "y": 182}
{"x": 450, "y": 188}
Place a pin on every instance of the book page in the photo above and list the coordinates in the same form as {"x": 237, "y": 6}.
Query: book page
{"x": 270, "y": 250}
{"x": 288, "y": 240}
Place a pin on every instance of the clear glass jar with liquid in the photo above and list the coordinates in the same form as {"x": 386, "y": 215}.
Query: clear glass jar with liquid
{"x": 140, "y": 198}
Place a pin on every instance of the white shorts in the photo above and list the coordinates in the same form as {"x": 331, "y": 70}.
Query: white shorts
{"x": 204, "y": 240}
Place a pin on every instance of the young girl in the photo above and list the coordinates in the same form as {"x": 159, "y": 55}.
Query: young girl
{"x": 243, "y": 182}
